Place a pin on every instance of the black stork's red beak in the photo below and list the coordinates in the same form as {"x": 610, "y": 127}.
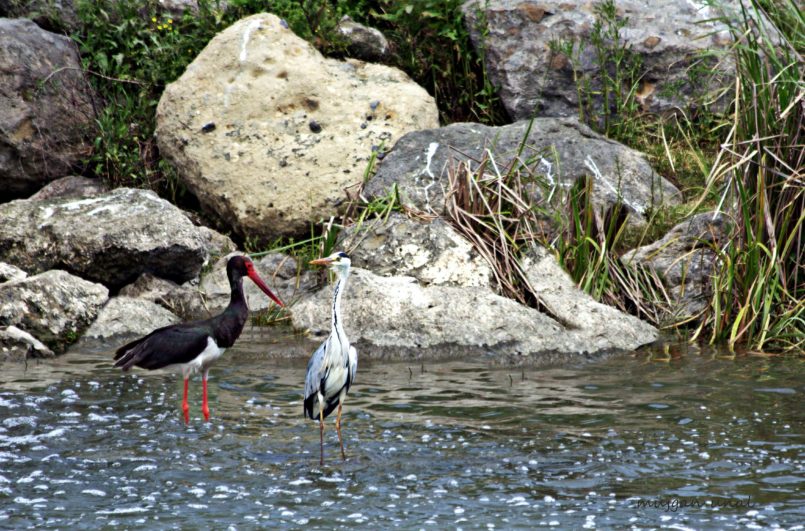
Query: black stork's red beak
{"x": 252, "y": 273}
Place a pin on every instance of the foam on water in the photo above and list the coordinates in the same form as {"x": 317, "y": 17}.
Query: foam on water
{"x": 456, "y": 445}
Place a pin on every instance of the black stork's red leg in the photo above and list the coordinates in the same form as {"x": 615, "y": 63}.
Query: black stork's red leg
{"x": 205, "y": 408}
{"x": 193, "y": 347}
{"x": 185, "y": 405}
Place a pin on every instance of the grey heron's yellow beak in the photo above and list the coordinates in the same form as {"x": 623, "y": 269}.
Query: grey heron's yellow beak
{"x": 321, "y": 261}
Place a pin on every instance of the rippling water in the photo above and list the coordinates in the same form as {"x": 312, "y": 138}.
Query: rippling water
{"x": 695, "y": 441}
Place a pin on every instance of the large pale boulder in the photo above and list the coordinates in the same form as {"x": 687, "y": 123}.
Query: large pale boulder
{"x": 55, "y": 306}
{"x": 268, "y": 133}
{"x": 680, "y": 47}
{"x": 110, "y": 238}
{"x": 556, "y": 150}
{"x": 47, "y": 118}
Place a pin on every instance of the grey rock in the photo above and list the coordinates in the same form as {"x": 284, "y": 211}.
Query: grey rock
{"x": 681, "y": 48}
{"x": 149, "y": 287}
{"x": 47, "y": 119}
{"x": 58, "y": 16}
{"x": 432, "y": 252}
{"x": 178, "y": 8}
{"x": 236, "y": 125}
{"x": 127, "y": 317}
{"x": 686, "y": 259}
{"x": 397, "y": 317}
{"x": 70, "y": 187}
{"x": 111, "y": 238}
{"x": 559, "y": 150}
{"x": 364, "y": 43}
{"x": 217, "y": 244}
{"x": 19, "y": 345}
{"x": 596, "y": 325}
{"x": 10, "y": 272}
{"x": 282, "y": 274}
{"x": 53, "y": 306}
{"x": 185, "y": 300}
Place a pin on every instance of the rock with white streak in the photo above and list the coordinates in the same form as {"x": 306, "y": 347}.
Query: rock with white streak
{"x": 19, "y": 345}
{"x": 558, "y": 151}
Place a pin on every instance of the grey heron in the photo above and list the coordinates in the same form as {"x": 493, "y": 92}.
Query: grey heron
{"x": 331, "y": 369}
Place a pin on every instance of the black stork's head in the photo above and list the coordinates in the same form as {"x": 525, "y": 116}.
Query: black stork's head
{"x": 239, "y": 266}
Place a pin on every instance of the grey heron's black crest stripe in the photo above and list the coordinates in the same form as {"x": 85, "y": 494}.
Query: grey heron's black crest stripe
{"x": 335, "y": 301}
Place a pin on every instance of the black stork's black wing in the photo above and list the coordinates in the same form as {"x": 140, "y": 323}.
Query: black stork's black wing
{"x": 173, "y": 344}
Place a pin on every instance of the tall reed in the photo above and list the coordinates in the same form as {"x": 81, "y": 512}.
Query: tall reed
{"x": 759, "y": 289}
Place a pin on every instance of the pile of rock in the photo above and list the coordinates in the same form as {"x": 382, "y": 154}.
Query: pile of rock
{"x": 272, "y": 137}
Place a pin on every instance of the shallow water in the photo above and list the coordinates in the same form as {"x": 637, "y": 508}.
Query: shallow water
{"x": 695, "y": 441}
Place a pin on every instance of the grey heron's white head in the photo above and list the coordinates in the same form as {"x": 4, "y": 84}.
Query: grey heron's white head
{"x": 338, "y": 262}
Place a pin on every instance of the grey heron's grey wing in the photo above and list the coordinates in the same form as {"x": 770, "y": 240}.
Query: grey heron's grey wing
{"x": 314, "y": 367}
{"x": 353, "y": 364}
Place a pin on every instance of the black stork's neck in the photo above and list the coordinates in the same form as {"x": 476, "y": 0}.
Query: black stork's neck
{"x": 228, "y": 325}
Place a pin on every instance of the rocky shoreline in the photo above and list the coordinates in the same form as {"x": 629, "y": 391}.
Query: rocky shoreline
{"x": 271, "y": 137}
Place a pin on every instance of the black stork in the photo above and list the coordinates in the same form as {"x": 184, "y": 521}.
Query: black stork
{"x": 192, "y": 347}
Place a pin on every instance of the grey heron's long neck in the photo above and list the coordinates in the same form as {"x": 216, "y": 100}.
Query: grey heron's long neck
{"x": 340, "y": 286}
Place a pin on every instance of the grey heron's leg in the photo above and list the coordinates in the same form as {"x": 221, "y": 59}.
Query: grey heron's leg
{"x": 185, "y": 405}
{"x": 321, "y": 428}
{"x": 205, "y": 408}
{"x": 338, "y": 429}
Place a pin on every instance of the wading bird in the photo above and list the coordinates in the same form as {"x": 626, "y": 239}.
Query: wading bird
{"x": 192, "y": 347}
{"x": 331, "y": 369}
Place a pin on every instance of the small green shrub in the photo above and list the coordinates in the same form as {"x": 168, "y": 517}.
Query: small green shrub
{"x": 132, "y": 50}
